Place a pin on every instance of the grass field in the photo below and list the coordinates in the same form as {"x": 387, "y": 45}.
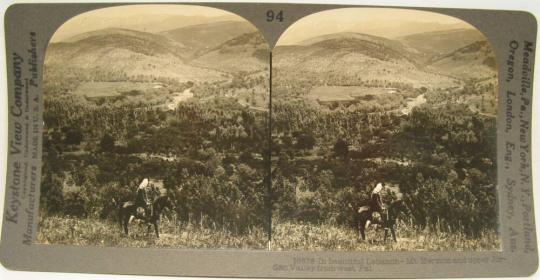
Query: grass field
{"x": 94, "y": 232}
{"x": 289, "y": 236}
{"x": 286, "y": 236}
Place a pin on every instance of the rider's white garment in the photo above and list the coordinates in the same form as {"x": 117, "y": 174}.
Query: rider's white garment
{"x": 144, "y": 184}
{"x": 377, "y": 189}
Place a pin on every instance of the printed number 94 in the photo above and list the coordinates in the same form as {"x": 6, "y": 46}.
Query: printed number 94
{"x": 273, "y": 16}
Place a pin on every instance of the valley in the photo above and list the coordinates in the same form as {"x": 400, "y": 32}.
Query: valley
{"x": 417, "y": 112}
{"x": 186, "y": 106}
{"x": 187, "y": 103}
{"x": 128, "y": 66}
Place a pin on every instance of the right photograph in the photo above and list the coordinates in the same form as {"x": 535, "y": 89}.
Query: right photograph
{"x": 384, "y": 134}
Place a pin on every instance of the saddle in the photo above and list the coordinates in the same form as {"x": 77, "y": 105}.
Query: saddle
{"x": 146, "y": 211}
{"x": 376, "y": 218}
{"x": 141, "y": 212}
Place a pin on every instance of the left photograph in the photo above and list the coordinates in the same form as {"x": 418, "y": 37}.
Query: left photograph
{"x": 155, "y": 130}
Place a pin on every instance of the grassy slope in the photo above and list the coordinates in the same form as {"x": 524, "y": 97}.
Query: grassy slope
{"x": 286, "y": 236}
{"x": 91, "y": 232}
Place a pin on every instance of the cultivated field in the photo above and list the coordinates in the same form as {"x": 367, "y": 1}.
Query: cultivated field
{"x": 111, "y": 89}
{"x": 286, "y": 236}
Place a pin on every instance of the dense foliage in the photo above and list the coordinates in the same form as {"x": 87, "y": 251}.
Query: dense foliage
{"x": 442, "y": 155}
{"x": 209, "y": 153}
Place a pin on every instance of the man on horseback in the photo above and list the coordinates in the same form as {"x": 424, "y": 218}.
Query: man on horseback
{"x": 385, "y": 204}
{"x": 142, "y": 200}
{"x": 376, "y": 200}
{"x": 376, "y": 204}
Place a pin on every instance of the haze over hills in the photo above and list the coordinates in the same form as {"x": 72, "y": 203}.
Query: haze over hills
{"x": 395, "y": 29}
{"x": 383, "y": 24}
{"x": 151, "y": 23}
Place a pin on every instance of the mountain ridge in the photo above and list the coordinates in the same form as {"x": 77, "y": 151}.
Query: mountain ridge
{"x": 476, "y": 60}
{"x": 208, "y": 35}
{"x": 136, "y": 53}
{"x": 357, "y": 56}
{"x": 436, "y": 43}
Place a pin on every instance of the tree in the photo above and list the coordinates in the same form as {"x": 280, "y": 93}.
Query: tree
{"x": 107, "y": 143}
{"x": 305, "y": 141}
{"x": 74, "y": 136}
{"x": 341, "y": 148}
{"x": 52, "y": 197}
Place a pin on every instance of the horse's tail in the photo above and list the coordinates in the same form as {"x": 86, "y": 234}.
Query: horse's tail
{"x": 116, "y": 203}
{"x": 120, "y": 211}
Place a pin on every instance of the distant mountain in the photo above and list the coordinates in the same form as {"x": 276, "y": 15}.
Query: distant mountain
{"x": 475, "y": 60}
{"x": 247, "y": 52}
{"x": 117, "y": 31}
{"x": 356, "y": 55}
{"x": 180, "y": 54}
{"x": 388, "y": 28}
{"x": 436, "y": 43}
{"x": 351, "y": 37}
{"x": 206, "y": 36}
{"x": 153, "y": 23}
{"x": 131, "y": 52}
{"x": 398, "y": 28}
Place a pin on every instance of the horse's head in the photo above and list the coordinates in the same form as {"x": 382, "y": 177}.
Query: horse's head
{"x": 171, "y": 203}
{"x": 165, "y": 201}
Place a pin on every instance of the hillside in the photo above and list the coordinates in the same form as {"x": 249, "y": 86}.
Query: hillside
{"x": 475, "y": 60}
{"x": 436, "y": 43}
{"x": 352, "y": 36}
{"x": 106, "y": 32}
{"x": 132, "y": 53}
{"x": 355, "y": 56}
{"x": 206, "y": 36}
{"x": 247, "y": 52}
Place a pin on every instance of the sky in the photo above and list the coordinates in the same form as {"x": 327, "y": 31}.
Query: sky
{"x": 150, "y": 18}
{"x": 384, "y": 22}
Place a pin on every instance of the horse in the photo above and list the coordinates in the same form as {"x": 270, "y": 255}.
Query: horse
{"x": 387, "y": 219}
{"x": 130, "y": 209}
{"x": 393, "y": 197}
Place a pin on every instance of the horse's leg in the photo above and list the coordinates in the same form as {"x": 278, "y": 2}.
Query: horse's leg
{"x": 125, "y": 221}
{"x": 363, "y": 233}
{"x": 362, "y": 229}
{"x": 393, "y": 233}
{"x": 121, "y": 220}
{"x": 156, "y": 228}
{"x": 385, "y": 233}
{"x": 148, "y": 230}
